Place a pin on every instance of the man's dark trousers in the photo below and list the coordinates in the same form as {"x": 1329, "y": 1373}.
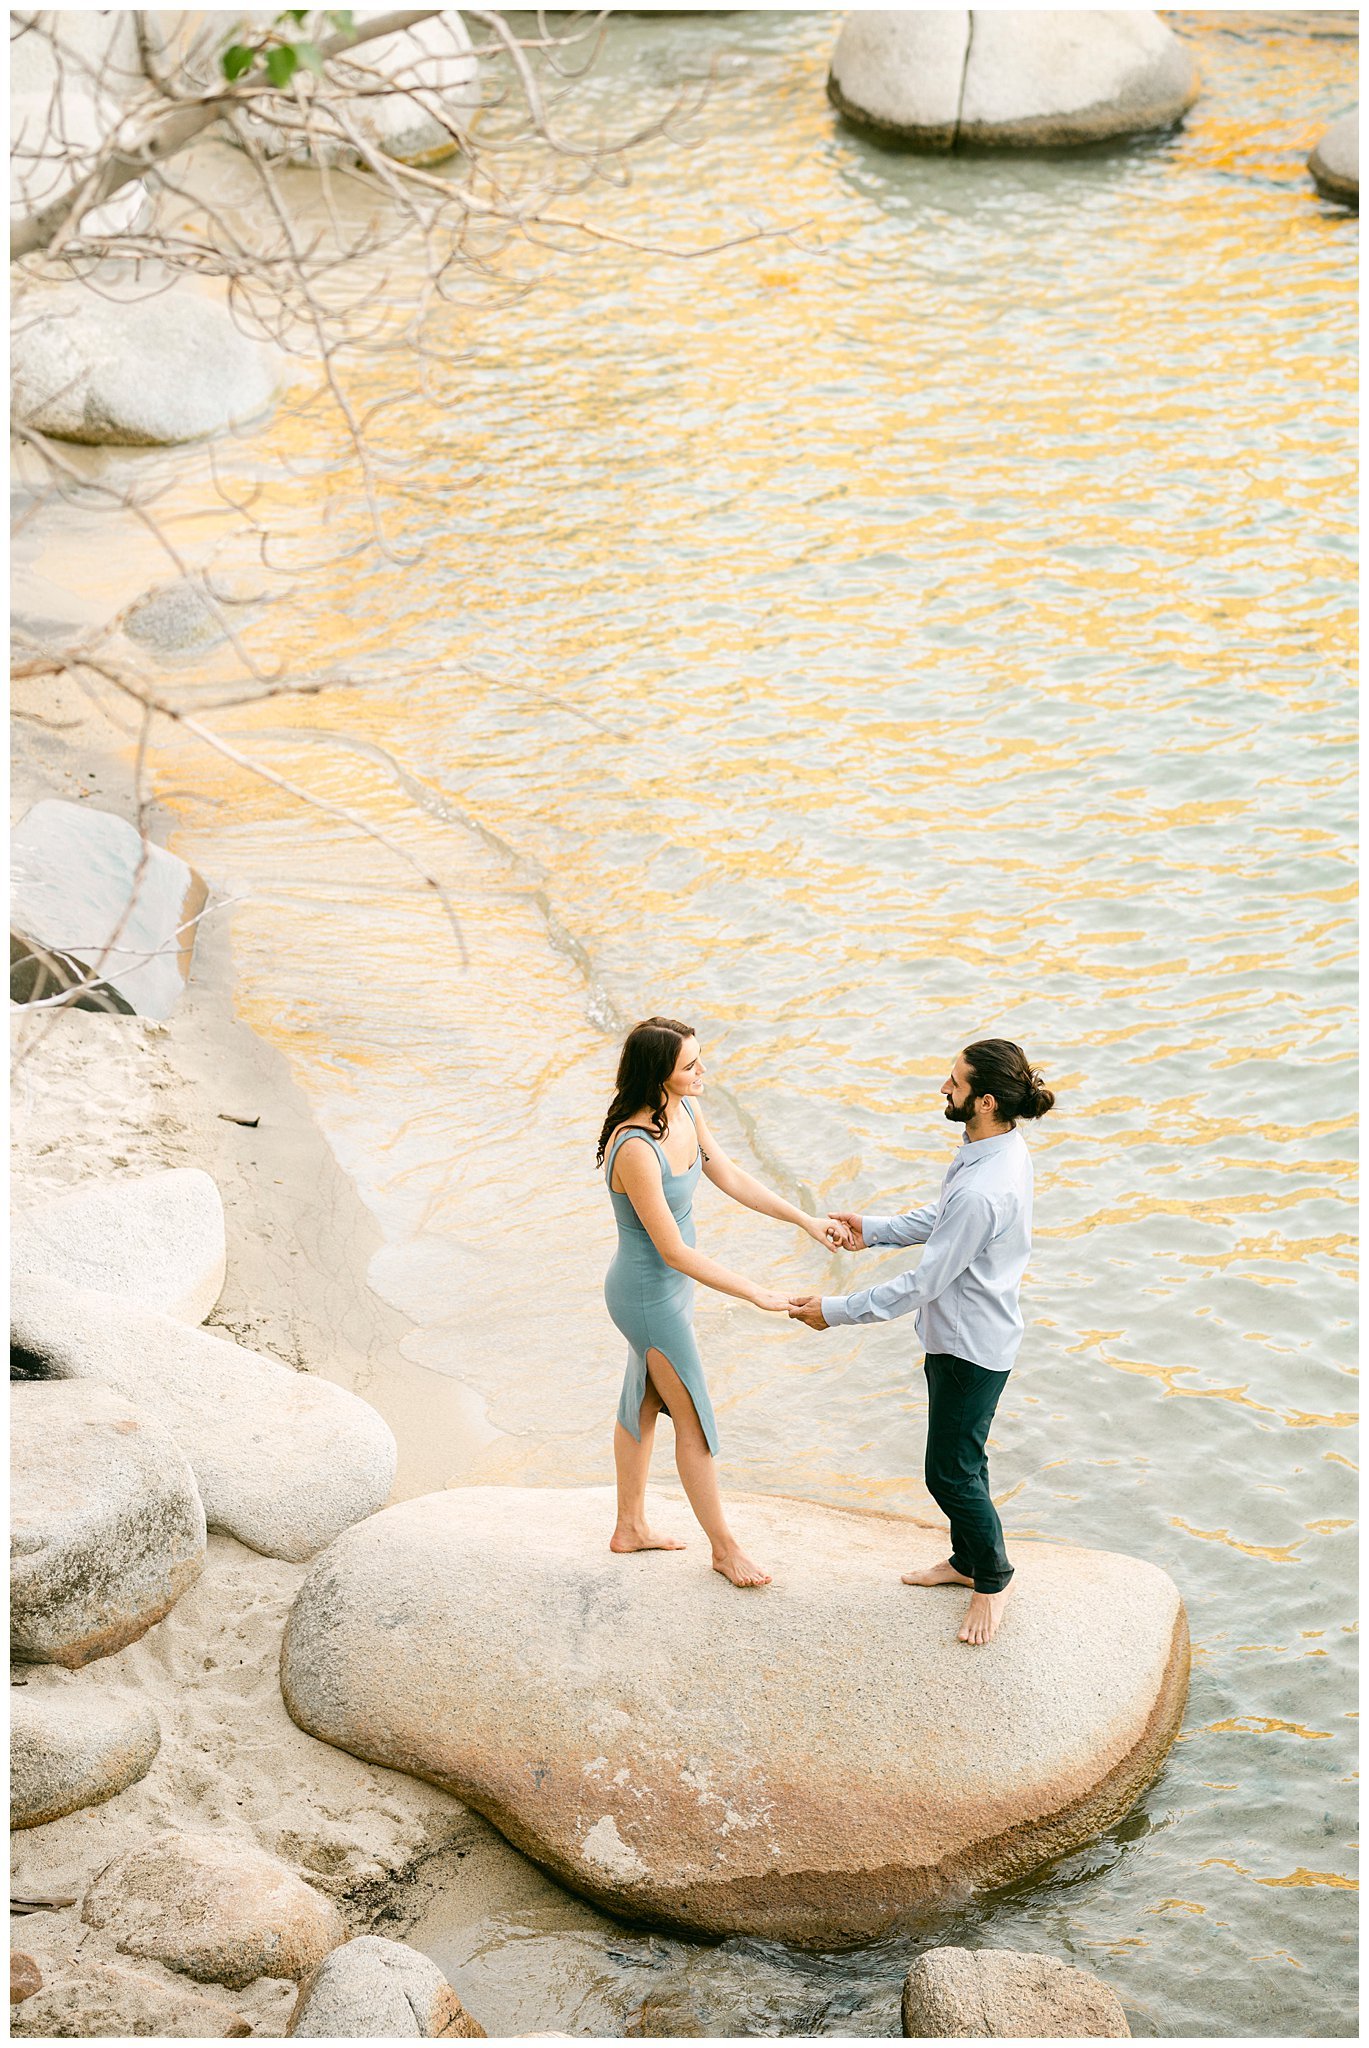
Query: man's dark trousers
{"x": 961, "y": 1399}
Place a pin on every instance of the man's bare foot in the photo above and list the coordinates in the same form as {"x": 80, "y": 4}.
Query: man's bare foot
{"x": 739, "y": 1569}
{"x": 636, "y": 1536}
{"x": 983, "y": 1615}
{"x": 943, "y": 1574}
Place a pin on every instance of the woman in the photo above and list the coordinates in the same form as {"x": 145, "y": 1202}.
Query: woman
{"x": 652, "y": 1147}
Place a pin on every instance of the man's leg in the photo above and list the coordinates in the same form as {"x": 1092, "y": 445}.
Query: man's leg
{"x": 959, "y": 1416}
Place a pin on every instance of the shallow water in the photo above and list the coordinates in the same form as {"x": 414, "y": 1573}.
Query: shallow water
{"x": 935, "y": 623}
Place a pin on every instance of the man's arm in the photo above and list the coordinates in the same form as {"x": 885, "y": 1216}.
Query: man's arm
{"x": 962, "y": 1230}
{"x": 913, "y": 1227}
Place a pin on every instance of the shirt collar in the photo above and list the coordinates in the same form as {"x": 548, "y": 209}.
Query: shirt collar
{"x": 973, "y": 1147}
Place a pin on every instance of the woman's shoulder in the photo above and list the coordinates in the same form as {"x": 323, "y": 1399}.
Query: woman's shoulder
{"x": 632, "y": 1125}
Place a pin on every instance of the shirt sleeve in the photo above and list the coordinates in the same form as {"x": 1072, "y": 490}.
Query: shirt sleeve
{"x": 914, "y": 1227}
{"x": 964, "y": 1227}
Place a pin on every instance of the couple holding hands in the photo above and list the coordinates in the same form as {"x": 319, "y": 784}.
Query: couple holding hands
{"x": 976, "y": 1234}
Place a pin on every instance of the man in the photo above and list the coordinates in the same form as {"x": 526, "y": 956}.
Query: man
{"x": 965, "y": 1295}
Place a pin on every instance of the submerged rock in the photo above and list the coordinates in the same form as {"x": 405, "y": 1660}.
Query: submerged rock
{"x": 70, "y": 1749}
{"x": 174, "y": 618}
{"x": 942, "y": 78}
{"x": 219, "y": 1910}
{"x": 107, "y": 1527}
{"x": 371, "y": 1989}
{"x": 283, "y": 1461}
{"x": 156, "y": 1239}
{"x": 133, "y": 373}
{"x": 809, "y": 1763}
{"x": 103, "y": 2002}
{"x": 88, "y": 895}
{"x": 993, "y": 1994}
{"x": 1334, "y": 163}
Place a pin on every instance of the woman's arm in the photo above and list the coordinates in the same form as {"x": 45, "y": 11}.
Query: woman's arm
{"x": 746, "y": 1189}
{"x": 640, "y": 1173}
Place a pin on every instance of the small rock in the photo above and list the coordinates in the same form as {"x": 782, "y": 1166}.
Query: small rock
{"x": 25, "y": 1977}
{"x": 70, "y": 1749}
{"x": 175, "y": 618}
{"x": 486, "y": 1639}
{"x": 993, "y": 1994}
{"x": 370, "y": 1989}
{"x": 284, "y": 1461}
{"x": 88, "y": 895}
{"x": 219, "y": 1910}
{"x": 1334, "y": 163}
{"x": 146, "y": 372}
{"x": 156, "y": 1239}
{"x": 103, "y": 2002}
{"x": 107, "y": 1526}
{"x": 1044, "y": 78}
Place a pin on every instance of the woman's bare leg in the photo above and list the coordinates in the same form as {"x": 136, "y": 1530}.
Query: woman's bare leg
{"x": 631, "y": 1461}
{"x": 699, "y": 1475}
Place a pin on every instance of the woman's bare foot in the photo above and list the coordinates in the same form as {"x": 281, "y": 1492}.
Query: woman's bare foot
{"x": 739, "y": 1569}
{"x": 944, "y": 1574}
{"x": 983, "y": 1615}
{"x": 636, "y": 1536}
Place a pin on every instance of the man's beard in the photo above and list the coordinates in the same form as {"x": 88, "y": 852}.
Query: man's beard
{"x": 961, "y": 1116}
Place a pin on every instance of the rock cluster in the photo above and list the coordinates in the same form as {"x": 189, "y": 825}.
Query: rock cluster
{"x": 284, "y": 1461}
{"x": 947, "y": 78}
{"x": 69, "y": 1749}
{"x": 992, "y": 1994}
{"x": 371, "y": 1989}
{"x": 92, "y": 902}
{"x": 807, "y": 1765}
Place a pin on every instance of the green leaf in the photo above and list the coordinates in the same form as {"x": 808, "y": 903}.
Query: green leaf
{"x": 294, "y": 14}
{"x": 236, "y": 60}
{"x": 281, "y": 65}
{"x": 341, "y": 19}
{"x": 308, "y": 54}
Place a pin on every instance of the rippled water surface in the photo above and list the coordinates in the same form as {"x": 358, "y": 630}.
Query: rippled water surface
{"x": 932, "y": 623}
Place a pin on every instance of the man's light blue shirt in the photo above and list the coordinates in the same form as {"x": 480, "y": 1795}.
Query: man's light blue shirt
{"x": 978, "y": 1235}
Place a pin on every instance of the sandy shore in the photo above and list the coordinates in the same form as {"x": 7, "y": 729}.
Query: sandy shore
{"x": 97, "y": 1095}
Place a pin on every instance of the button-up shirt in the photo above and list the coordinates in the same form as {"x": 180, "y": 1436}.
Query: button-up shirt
{"x": 964, "y": 1292}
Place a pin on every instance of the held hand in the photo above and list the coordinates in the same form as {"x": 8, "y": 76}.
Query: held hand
{"x": 773, "y": 1304}
{"x": 853, "y": 1240}
{"x": 827, "y": 1231}
{"x": 807, "y": 1308}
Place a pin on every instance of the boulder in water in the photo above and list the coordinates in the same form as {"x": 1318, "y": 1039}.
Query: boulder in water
{"x": 156, "y": 1239}
{"x": 372, "y": 1989}
{"x": 70, "y": 1748}
{"x": 219, "y": 1910}
{"x": 283, "y": 1461}
{"x": 107, "y": 1530}
{"x": 1334, "y": 163}
{"x": 406, "y": 96}
{"x": 993, "y": 1994}
{"x": 810, "y": 1763}
{"x": 134, "y": 373}
{"x": 944, "y": 78}
{"x": 89, "y": 895}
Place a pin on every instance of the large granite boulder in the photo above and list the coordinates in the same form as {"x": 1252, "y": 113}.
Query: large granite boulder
{"x": 283, "y": 1461}
{"x": 809, "y": 1763}
{"x": 219, "y": 1910}
{"x": 137, "y": 373}
{"x": 371, "y": 1989}
{"x": 90, "y": 897}
{"x": 107, "y": 1530}
{"x": 997, "y": 1994}
{"x": 56, "y": 131}
{"x": 1334, "y": 163}
{"x": 154, "y": 1239}
{"x": 102, "y": 2002}
{"x": 944, "y": 78}
{"x": 70, "y": 1748}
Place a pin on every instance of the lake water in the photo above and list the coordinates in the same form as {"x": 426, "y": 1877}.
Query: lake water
{"x": 932, "y": 622}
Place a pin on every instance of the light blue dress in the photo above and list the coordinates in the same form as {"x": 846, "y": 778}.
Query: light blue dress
{"x": 652, "y": 1304}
